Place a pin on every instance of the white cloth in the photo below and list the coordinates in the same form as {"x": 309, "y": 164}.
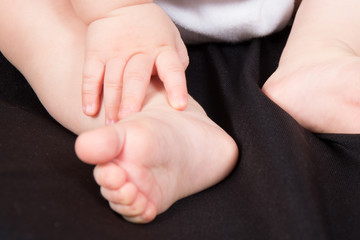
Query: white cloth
{"x": 227, "y": 20}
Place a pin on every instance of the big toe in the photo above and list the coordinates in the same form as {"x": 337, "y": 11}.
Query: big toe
{"x": 100, "y": 145}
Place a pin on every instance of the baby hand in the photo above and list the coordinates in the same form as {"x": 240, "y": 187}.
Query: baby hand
{"x": 123, "y": 50}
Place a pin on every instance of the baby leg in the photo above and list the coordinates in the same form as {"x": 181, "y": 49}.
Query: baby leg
{"x": 44, "y": 40}
{"x": 144, "y": 163}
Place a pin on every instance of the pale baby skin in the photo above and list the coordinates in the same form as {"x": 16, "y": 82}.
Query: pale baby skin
{"x": 145, "y": 162}
{"x": 317, "y": 83}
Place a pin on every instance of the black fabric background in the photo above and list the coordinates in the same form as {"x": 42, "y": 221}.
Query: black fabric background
{"x": 288, "y": 184}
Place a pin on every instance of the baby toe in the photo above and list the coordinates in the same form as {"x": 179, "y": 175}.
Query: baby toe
{"x": 110, "y": 176}
{"x": 125, "y": 195}
{"x": 148, "y": 215}
{"x": 137, "y": 208}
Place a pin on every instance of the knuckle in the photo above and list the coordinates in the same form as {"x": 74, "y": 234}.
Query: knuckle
{"x": 90, "y": 89}
{"x": 175, "y": 68}
{"x": 135, "y": 76}
{"x": 90, "y": 78}
{"x": 115, "y": 85}
{"x": 91, "y": 93}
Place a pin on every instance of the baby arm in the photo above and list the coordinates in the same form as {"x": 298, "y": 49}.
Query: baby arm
{"x": 128, "y": 41}
{"x": 317, "y": 81}
{"x": 322, "y": 24}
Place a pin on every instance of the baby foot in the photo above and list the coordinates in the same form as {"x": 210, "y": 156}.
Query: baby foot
{"x": 323, "y": 97}
{"x": 153, "y": 158}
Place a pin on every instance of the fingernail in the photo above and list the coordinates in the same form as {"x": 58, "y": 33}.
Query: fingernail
{"x": 88, "y": 109}
{"x": 179, "y": 103}
{"x": 110, "y": 122}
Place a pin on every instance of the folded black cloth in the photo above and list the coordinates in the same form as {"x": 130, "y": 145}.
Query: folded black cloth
{"x": 288, "y": 183}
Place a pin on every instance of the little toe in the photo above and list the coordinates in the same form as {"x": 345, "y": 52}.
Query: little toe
{"x": 148, "y": 215}
{"x": 110, "y": 176}
{"x": 137, "y": 208}
{"x": 125, "y": 195}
